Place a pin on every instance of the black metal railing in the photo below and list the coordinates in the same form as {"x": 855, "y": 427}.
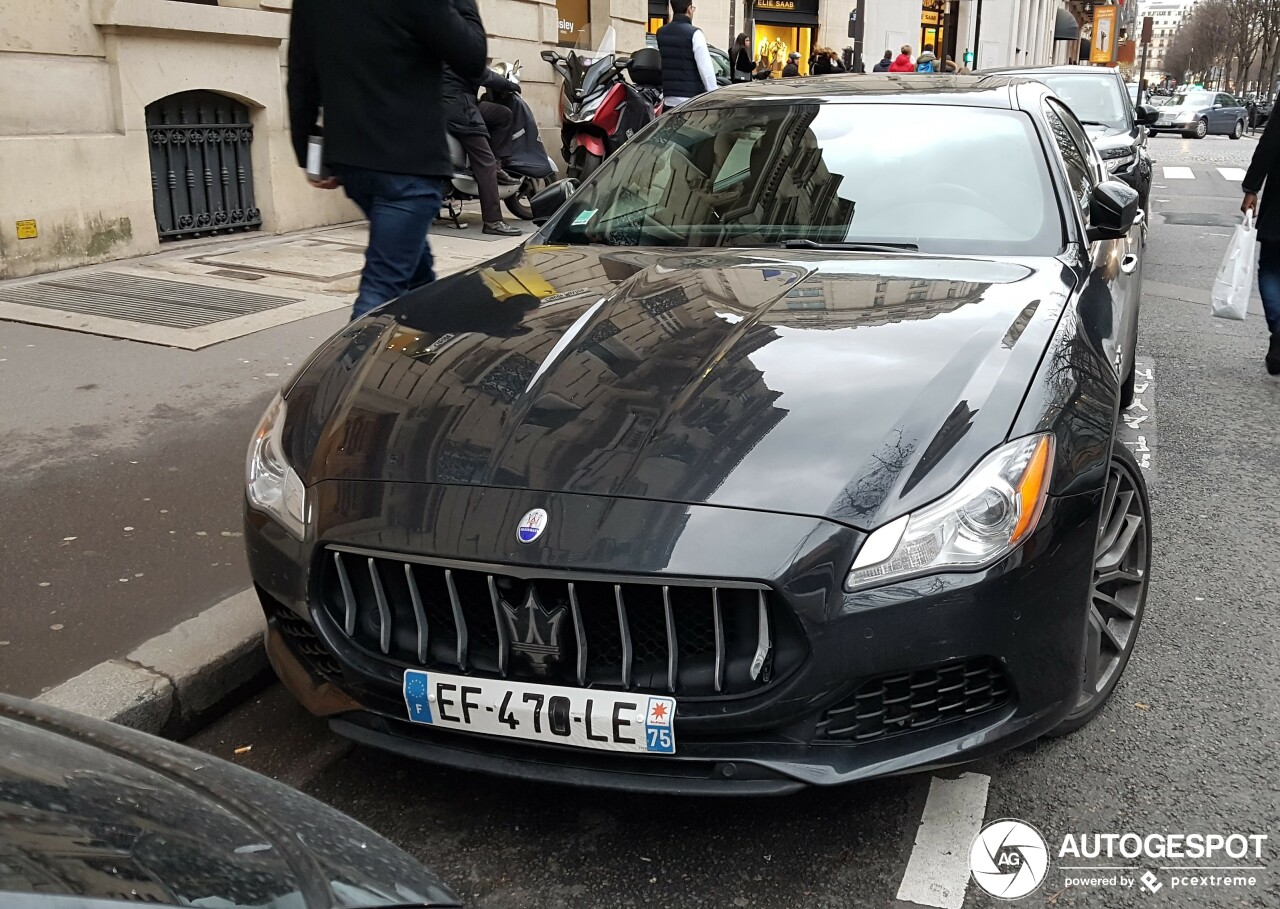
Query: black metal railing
{"x": 201, "y": 169}
{"x": 684, "y": 637}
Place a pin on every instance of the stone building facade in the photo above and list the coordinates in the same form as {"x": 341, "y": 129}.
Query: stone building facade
{"x": 126, "y": 124}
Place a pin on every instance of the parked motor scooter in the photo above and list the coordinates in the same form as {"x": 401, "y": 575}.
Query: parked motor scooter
{"x": 529, "y": 159}
{"x": 599, "y": 108}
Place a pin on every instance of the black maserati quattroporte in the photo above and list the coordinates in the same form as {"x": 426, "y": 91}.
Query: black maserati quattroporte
{"x": 783, "y": 454}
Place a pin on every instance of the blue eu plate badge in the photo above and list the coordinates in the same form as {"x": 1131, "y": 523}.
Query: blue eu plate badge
{"x": 415, "y": 696}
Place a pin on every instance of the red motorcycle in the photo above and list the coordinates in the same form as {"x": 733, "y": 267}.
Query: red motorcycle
{"x": 599, "y": 107}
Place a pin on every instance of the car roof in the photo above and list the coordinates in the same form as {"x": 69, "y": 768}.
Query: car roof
{"x": 983, "y": 90}
{"x": 1100, "y": 71}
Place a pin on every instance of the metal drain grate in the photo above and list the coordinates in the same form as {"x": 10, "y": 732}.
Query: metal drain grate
{"x": 153, "y": 301}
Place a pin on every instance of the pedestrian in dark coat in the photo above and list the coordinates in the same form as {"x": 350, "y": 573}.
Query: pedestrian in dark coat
{"x": 793, "y": 65}
{"x": 1264, "y": 169}
{"x": 375, "y": 69}
{"x": 484, "y": 129}
{"x": 883, "y": 64}
{"x": 743, "y": 66}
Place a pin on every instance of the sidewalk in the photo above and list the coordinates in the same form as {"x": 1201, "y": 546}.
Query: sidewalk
{"x": 203, "y": 292}
{"x": 121, "y": 480}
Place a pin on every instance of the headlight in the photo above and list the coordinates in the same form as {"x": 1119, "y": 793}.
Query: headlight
{"x": 1115, "y": 164}
{"x": 1118, "y": 157}
{"x": 272, "y": 485}
{"x": 982, "y": 520}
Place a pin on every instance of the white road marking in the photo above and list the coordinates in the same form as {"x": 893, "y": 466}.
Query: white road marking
{"x": 1138, "y": 421}
{"x": 938, "y": 870}
{"x": 1234, "y": 174}
{"x": 1178, "y": 173}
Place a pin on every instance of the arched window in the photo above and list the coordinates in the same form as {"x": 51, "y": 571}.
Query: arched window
{"x": 201, "y": 169}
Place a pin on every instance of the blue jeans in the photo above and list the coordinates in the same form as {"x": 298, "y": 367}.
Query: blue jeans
{"x": 1269, "y": 283}
{"x": 400, "y": 209}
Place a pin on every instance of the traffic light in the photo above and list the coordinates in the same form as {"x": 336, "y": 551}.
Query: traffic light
{"x": 968, "y": 58}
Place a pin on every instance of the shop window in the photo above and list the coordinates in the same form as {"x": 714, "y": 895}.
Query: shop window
{"x": 574, "y": 17}
{"x": 775, "y": 42}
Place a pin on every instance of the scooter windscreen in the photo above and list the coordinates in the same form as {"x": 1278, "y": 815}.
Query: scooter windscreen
{"x": 596, "y": 75}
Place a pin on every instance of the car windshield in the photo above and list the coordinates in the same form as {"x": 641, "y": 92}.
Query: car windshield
{"x": 931, "y": 177}
{"x": 1094, "y": 99}
{"x": 1192, "y": 99}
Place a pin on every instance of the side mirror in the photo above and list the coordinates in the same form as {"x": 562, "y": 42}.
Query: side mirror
{"x": 1112, "y": 210}
{"x": 1147, "y": 114}
{"x": 549, "y": 56}
{"x": 547, "y": 202}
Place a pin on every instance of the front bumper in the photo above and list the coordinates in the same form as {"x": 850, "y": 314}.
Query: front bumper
{"x": 1024, "y": 615}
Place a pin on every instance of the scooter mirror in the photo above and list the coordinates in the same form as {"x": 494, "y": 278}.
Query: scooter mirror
{"x": 547, "y": 202}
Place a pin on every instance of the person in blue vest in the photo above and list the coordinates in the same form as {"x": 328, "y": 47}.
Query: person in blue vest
{"x": 686, "y": 63}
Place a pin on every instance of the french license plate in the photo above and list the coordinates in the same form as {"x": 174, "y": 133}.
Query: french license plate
{"x": 607, "y": 720}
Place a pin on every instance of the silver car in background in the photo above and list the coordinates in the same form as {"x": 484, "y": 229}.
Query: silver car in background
{"x": 1197, "y": 114}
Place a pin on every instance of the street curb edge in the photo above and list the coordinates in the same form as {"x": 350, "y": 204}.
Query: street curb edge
{"x": 170, "y": 683}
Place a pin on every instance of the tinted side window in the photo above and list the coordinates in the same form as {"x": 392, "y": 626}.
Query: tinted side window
{"x": 1227, "y": 101}
{"x": 1079, "y": 173}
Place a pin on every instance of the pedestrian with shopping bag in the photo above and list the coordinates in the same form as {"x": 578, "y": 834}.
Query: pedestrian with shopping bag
{"x": 1234, "y": 283}
{"x": 1261, "y": 173}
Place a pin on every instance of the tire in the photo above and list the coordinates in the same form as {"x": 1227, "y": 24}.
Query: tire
{"x": 1201, "y": 130}
{"x": 1127, "y": 387}
{"x": 588, "y": 163}
{"x": 1125, "y": 568}
{"x": 1239, "y": 130}
{"x": 520, "y": 204}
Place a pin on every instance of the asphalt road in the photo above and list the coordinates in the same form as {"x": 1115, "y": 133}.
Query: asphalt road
{"x": 1190, "y": 742}
{"x": 120, "y": 484}
{"x": 122, "y": 471}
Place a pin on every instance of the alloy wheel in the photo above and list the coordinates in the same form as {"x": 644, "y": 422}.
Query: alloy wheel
{"x": 1121, "y": 565}
{"x": 1238, "y": 131}
{"x": 1202, "y": 129}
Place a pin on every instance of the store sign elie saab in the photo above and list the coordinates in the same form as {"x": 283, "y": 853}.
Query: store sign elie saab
{"x": 788, "y": 6}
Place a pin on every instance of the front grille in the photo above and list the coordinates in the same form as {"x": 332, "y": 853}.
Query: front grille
{"x": 680, "y": 637}
{"x": 918, "y": 699}
{"x": 302, "y": 640}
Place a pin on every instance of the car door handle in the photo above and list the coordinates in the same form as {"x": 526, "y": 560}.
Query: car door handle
{"x": 1128, "y": 264}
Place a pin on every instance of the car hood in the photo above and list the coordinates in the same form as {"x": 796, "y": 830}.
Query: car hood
{"x": 846, "y": 385}
{"x": 1104, "y": 137}
{"x": 93, "y": 810}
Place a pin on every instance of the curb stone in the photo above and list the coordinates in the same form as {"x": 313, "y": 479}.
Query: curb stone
{"x": 170, "y": 683}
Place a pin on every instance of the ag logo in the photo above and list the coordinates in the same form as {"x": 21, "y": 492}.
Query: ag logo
{"x": 1009, "y": 859}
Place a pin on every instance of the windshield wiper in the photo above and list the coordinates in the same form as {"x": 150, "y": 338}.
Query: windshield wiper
{"x": 805, "y": 243}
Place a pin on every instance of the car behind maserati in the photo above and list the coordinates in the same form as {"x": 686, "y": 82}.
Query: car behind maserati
{"x": 783, "y": 454}
{"x": 1116, "y": 123}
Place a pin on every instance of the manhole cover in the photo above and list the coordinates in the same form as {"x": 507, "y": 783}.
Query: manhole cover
{"x": 1199, "y": 219}
{"x": 152, "y": 301}
{"x": 238, "y": 275}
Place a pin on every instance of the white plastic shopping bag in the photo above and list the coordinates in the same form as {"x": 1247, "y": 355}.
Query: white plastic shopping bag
{"x": 1234, "y": 283}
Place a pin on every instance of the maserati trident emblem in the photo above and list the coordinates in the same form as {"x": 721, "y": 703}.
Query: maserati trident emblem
{"x": 535, "y": 632}
{"x": 531, "y": 526}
